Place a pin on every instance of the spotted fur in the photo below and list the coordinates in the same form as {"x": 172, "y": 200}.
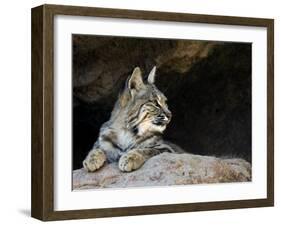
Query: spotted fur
{"x": 133, "y": 133}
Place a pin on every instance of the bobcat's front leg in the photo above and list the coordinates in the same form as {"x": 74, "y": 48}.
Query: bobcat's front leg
{"x": 132, "y": 160}
{"x": 94, "y": 160}
{"x": 135, "y": 158}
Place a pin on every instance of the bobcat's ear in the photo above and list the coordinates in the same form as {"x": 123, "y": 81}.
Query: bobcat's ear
{"x": 135, "y": 82}
{"x": 151, "y": 76}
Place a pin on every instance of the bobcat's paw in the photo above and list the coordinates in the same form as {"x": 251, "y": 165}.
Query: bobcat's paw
{"x": 131, "y": 161}
{"x": 94, "y": 160}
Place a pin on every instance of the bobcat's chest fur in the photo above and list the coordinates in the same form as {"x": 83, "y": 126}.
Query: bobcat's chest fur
{"x": 125, "y": 139}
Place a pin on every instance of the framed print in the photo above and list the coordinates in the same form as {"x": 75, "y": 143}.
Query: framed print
{"x": 141, "y": 112}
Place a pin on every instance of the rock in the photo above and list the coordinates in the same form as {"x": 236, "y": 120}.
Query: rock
{"x": 166, "y": 169}
{"x": 102, "y": 64}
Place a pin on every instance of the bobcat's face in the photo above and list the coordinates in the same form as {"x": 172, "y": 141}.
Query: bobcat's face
{"x": 146, "y": 107}
{"x": 153, "y": 114}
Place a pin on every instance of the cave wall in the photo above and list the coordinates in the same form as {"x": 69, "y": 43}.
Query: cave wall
{"x": 208, "y": 86}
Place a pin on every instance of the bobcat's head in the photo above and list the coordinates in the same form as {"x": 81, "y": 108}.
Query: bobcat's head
{"x": 144, "y": 106}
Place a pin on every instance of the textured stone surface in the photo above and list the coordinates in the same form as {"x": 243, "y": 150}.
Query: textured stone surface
{"x": 101, "y": 65}
{"x": 166, "y": 169}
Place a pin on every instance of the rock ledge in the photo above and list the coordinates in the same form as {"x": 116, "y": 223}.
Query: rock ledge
{"x": 166, "y": 169}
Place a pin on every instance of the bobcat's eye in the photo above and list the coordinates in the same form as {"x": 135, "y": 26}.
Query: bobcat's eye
{"x": 156, "y": 104}
{"x": 151, "y": 107}
{"x": 148, "y": 106}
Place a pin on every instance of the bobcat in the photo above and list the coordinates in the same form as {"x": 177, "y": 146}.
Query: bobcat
{"x": 133, "y": 133}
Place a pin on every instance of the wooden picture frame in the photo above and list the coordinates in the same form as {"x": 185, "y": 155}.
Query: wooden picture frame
{"x": 43, "y": 111}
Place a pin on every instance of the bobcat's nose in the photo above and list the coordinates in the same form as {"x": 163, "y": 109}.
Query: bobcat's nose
{"x": 166, "y": 117}
{"x": 168, "y": 114}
